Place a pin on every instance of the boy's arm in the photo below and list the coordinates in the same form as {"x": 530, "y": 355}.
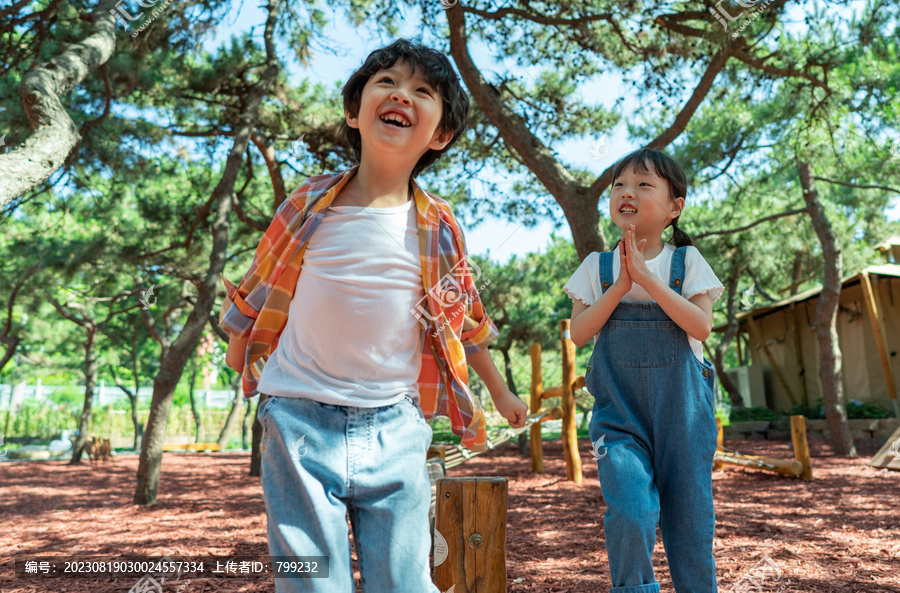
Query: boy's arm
{"x": 510, "y": 407}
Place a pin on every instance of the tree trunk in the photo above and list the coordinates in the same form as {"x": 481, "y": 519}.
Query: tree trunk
{"x": 734, "y": 395}
{"x": 826, "y": 321}
{"x": 194, "y": 401}
{"x": 90, "y": 378}
{"x": 245, "y": 425}
{"x": 186, "y": 343}
{"x": 256, "y": 448}
{"x": 233, "y": 414}
{"x": 522, "y": 441}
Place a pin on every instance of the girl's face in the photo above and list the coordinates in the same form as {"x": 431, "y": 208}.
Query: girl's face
{"x": 641, "y": 198}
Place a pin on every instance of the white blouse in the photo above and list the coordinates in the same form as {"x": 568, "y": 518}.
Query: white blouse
{"x": 699, "y": 277}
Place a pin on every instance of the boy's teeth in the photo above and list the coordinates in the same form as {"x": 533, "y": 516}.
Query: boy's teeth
{"x": 394, "y": 119}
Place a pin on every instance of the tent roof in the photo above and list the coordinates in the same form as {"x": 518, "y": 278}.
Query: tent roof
{"x": 881, "y": 270}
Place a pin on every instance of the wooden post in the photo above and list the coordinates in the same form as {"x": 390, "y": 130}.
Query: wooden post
{"x": 537, "y": 386}
{"x": 756, "y": 334}
{"x": 801, "y": 447}
{"x": 569, "y": 430}
{"x": 876, "y": 319}
{"x": 720, "y": 442}
{"x": 470, "y": 535}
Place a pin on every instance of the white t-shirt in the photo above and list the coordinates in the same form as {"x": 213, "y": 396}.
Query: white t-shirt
{"x": 584, "y": 284}
{"x": 350, "y": 338}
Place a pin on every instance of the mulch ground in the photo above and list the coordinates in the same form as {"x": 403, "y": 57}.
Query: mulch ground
{"x": 839, "y": 533}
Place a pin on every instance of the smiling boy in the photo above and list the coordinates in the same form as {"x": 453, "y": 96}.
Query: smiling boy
{"x": 329, "y": 322}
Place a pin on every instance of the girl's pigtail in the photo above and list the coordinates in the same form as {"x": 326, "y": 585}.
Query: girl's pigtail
{"x": 679, "y": 237}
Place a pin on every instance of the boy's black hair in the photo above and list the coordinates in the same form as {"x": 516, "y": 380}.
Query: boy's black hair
{"x": 436, "y": 70}
{"x": 667, "y": 168}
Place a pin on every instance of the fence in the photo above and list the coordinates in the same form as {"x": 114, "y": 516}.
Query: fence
{"x": 13, "y": 396}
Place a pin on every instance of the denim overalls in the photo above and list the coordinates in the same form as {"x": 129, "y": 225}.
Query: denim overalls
{"x": 653, "y": 408}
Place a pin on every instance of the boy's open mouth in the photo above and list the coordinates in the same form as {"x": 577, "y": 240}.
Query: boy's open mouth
{"x": 628, "y": 209}
{"x": 395, "y": 119}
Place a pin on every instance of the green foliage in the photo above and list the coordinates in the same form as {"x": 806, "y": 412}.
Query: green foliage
{"x": 757, "y": 413}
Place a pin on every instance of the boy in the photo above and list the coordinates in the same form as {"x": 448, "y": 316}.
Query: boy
{"x": 370, "y": 339}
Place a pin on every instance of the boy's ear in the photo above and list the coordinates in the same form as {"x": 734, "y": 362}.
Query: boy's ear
{"x": 440, "y": 139}
{"x": 352, "y": 120}
{"x": 677, "y": 207}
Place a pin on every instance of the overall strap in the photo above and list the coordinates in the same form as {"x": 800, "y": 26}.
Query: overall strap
{"x": 606, "y": 270}
{"x": 676, "y": 275}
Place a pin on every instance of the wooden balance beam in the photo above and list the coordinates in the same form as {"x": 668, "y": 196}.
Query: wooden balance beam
{"x": 191, "y": 447}
{"x": 799, "y": 466}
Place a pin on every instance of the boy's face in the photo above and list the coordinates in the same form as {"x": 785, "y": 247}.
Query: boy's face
{"x": 400, "y": 113}
{"x": 641, "y": 198}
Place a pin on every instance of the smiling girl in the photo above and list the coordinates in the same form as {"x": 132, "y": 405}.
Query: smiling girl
{"x": 648, "y": 306}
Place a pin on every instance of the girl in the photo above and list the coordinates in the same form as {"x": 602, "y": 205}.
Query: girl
{"x": 648, "y": 305}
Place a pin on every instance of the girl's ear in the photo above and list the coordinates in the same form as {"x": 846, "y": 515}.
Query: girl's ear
{"x": 677, "y": 207}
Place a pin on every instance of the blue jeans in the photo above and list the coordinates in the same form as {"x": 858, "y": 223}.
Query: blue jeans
{"x": 654, "y": 411}
{"x": 322, "y": 462}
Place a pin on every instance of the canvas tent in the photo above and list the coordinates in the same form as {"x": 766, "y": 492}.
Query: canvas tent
{"x": 778, "y": 340}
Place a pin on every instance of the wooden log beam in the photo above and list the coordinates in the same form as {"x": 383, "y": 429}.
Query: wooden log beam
{"x": 790, "y": 467}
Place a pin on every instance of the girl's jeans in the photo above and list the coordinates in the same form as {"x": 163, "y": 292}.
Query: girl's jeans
{"x": 322, "y": 462}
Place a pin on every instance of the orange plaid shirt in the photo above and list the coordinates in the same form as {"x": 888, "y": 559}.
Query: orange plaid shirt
{"x": 451, "y": 312}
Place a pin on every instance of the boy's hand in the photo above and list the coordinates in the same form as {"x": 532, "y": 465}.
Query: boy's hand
{"x": 511, "y": 407}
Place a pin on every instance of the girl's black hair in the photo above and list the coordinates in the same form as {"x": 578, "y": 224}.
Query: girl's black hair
{"x": 667, "y": 168}
{"x": 437, "y": 71}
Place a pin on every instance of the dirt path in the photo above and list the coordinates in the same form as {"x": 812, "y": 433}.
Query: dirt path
{"x": 840, "y": 533}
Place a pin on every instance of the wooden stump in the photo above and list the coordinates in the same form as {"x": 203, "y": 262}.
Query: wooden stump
{"x": 470, "y": 535}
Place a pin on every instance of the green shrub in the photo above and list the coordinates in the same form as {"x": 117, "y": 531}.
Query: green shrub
{"x": 757, "y": 413}
{"x": 859, "y": 411}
